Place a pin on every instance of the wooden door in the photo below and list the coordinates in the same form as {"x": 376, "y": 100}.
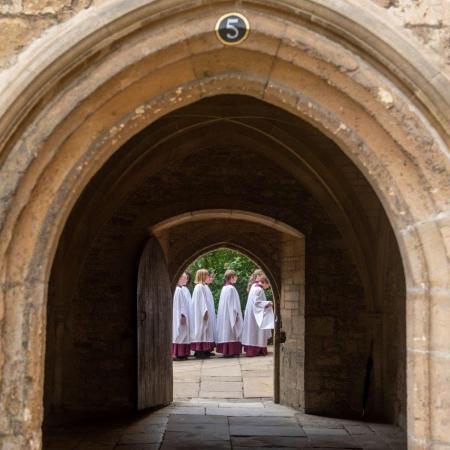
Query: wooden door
{"x": 154, "y": 322}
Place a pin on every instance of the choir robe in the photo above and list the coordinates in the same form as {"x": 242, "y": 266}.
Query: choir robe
{"x": 180, "y": 332}
{"x": 202, "y": 331}
{"x": 212, "y": 314}
{"x": 187, "y": 294}
{"x": 258, "y": 321}
{"x": 229, "y": 322}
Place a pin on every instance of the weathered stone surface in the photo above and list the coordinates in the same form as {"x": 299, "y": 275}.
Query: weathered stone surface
{"x": 22, "y": 21}
{"x": 16, "y": 33}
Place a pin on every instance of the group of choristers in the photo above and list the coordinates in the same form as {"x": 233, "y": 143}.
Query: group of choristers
{"x": 197, "y": 328}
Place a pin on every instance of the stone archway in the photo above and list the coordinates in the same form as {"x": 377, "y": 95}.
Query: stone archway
{"x": 352, "y": 85}
{"x": 278, "y": 249}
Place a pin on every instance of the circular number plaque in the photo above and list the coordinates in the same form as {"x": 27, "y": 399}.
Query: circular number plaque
{"x": 232, "y": 29}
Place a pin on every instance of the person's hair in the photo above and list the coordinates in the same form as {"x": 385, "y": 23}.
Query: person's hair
{"x": 229, "y": 274}
{"x": 264, "y": 279}
{"x": 200, "y": 276}
{"x": 189, "y": 276}
{"x": 252, "y": 279}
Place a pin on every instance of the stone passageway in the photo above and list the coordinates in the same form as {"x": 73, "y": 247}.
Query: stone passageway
{"x": 225, "y": 404}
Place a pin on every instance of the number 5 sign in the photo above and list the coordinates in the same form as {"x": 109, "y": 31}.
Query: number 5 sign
{"x": 232, "y": 29}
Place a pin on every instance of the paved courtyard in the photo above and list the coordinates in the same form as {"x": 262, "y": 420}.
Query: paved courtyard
{"x": 225, "y": 404}
{"x": 224, "y": 378}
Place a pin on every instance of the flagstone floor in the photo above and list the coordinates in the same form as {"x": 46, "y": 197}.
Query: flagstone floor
{"x": 228, "y": 378}
{"x": 225, "y": 404}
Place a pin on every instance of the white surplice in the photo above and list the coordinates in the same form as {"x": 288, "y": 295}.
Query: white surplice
{"x": 211, "y": 312}
{"x": 229, "y": 316}
{"x": 258, "y": 318}
{"x": 180, "y": 332}
{"x": 201, "y": 330}
{"x": 188, "y": 296}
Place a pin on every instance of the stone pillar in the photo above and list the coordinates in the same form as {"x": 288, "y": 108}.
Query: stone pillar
{"x": 292, "y": 314}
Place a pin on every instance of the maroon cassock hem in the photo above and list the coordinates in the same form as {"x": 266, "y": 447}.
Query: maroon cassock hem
{"x": 181, "y": 350}
{"x": 252, "y": 350}
{"x": 202, "y": 346}
{"x": 229, "y": 348}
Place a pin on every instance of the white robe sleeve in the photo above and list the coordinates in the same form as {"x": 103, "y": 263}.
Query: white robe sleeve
{"x": 180, "y": 332}
{"x": 263, "y": 314}
{"x": 235, "y": 313}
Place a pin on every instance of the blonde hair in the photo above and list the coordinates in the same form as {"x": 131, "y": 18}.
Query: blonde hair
{"x": 200, "y": 276}
{"x": 229, "y": 274}
{"x": 253, "y": 276}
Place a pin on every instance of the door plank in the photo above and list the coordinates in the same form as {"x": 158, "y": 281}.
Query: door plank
{"x": 154, "y": 322}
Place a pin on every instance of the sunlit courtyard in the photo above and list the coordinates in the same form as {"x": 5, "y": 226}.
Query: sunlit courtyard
{"x": 224, "y": 378}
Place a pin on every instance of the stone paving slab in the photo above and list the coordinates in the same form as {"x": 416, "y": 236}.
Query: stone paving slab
{"x": 246, "y": 412}
{"x": 180, "y": 410}
{"x": 189, "y": 418}
{"x": 225, "y": 394}
{"x": 270, "y": 442}
{"x": 385, "y": 429}
{"x": 206, "y": 378}
{"x": 262, "y": 421}
{"x": 258, "y": 387}
{"x": 149, "y": 419}
{"x": 358, "y": 429}
{"x": 320, "y": 431}
{"x": 205, "y": 445}
{"x": 197, "y": 436}
{"x": 234, "y": 371}
{"x": 373, "y": 442}
{"x": 186, "y": 378}
{"x": 219, "y": 361}
{"x": 266, "y": 430}
{"x": 200, "y": 431}
{"x": 144, "y": 426}
{"x": 239, "y": 405}
{"x": 221, "y": 386}
{"x": 316, "y": 421}
{"x": 142, "y": 438}
{"x": 199, "y": 402}
{"x": 186, "y": 390}
{"x": 334, "y": 442}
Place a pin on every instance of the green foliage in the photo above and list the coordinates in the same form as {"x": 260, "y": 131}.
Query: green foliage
{"x": 220, "y": 260}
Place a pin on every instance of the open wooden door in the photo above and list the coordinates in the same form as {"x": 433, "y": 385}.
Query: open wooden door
{"x": 154, "y": 322}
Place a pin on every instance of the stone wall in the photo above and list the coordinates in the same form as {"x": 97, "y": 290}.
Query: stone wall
{"x": 292, "y": 305}
{"x": 394, "y": 334}
{"x": 336, "y": 328}
{"x": 428, "y": 22}
{"x": 24, "y": 21}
